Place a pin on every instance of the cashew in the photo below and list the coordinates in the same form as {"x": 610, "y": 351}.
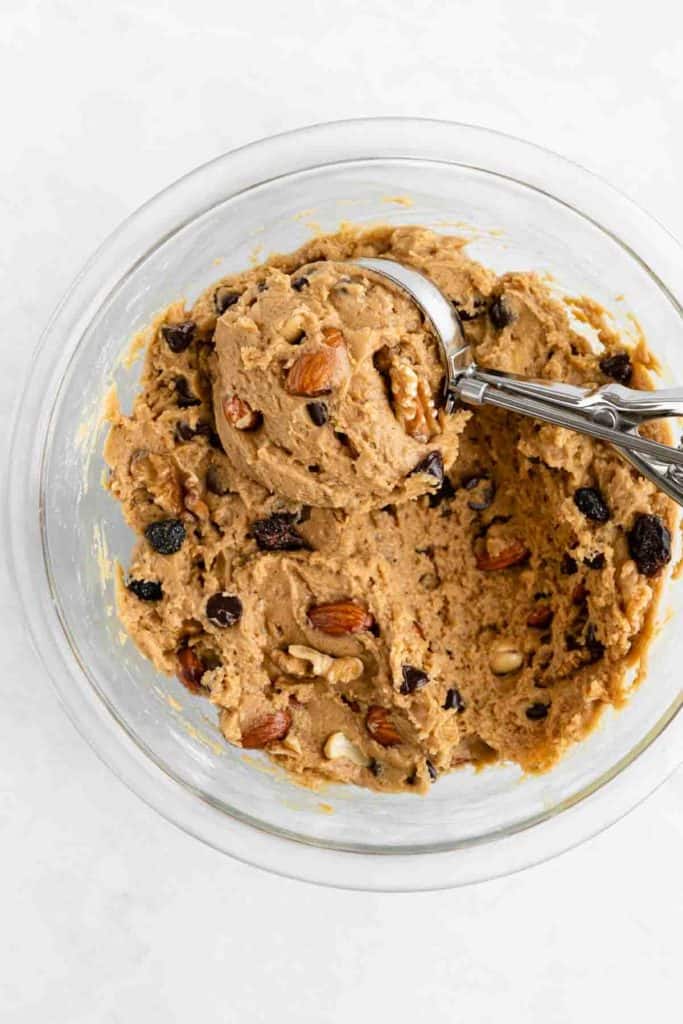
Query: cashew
{"x": 505, "y": 658}
{"x": 338, "y": 746}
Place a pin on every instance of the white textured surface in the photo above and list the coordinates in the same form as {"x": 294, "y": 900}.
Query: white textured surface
{"x": 108, "y": 913}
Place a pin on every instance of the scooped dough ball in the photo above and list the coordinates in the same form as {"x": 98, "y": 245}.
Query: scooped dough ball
{"x": 327, "y": 389}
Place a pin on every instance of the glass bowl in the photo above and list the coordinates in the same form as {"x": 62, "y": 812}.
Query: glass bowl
{"x": 522, "y": 208}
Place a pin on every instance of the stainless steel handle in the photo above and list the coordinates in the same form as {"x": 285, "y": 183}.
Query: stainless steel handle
{"x": 611, "y": 413}
{"x": 608, "y": 413}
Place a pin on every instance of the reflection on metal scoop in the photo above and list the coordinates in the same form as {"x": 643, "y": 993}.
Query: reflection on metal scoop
{"x": 611, "y": 413}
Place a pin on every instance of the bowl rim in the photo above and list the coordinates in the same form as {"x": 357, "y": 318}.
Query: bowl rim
{"x": 158, "y": 219}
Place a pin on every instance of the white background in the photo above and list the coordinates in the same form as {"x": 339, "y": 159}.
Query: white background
{"x": 107, "y": 913}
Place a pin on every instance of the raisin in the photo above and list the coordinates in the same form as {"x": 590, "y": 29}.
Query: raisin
{"x": 445, "y": 493}
{"x": 618, "y": 367}
{"x": 413, "y": 679}
{"x": 277, "y": 533}
{"x": 178, "y": 337}
{"x": 596, "y": 650}
{"x": 595, "y": 561}
{"x": 485, "y": 493}
{"x": 500, "y": 313}
{"x": 433, "y": 774}
{"x": 185, "y": 398}
{"x": 649, "y": 544}
{"x": 591, "y": 503}
{"x": 299, "y": 282}
{"x": 166, "y": 536}
{"x": 224, "y": 298}
{"x": 431, "y": 465}
{"x": 454, "y": 701}
{"x": 183, "y": 432}
{"x": 318, "y": 413}
{"x": 146, "y": 590}
{"x": 537, "y": 711}
{"x": 568, "y": 565}
{"x": 223, "y": 609}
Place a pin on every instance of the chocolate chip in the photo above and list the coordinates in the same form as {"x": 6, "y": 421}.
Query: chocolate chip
{"x": 535, "y": 712}
{"x": 571, "y": 643}
{"x": 649, "y": 544}
{"x": 313, "y": 468}
{"x": 185, "y": 399}
{"x": 591, "y": 503}
{"x": 500, "y": 313}
{"x": 618, "y": 367}
{"x": 223, "y": 609}
{"x": 207, "y": 431}
{"x": 568, "y": 565}
{"x": 166, "y": 536}
{"x": 431, "y": 465}
{"x": 596, "y": 561}
{"x": 485, "y": 493}
{"x": 183, "y": 432}
{"x": 433, "y": 774}
{"x": 376, "y": 768}
{"x": 224, "y": 298}
{"x": 146, "y": 590}
{"x": 347, "y": 443}
{"x": 318, "y": 413}
{"x": 178, "y": 337}
{"x": 413, "y": 679}
{"x": 454, "y": 701}
{"x": 479, "y": 308}
{"x": 277, "y": 533}
{"x": 299, "y": 282}
{"x": 217, "y": 481}
{"x": 445, "y": 493}
{"x": 596, "y": 650}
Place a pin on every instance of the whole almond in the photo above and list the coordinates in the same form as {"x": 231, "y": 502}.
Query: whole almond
{"x": 380, "y": 726}
{"x": 189, "y": 670}
{"x": 313, "y": 373}
{"x": 239, "y": 413}
{"x": 514, "y": 554}
{"x": 339, "y": 618}
{"x": 267, "y": 730}
{"x": 540, "y": 617}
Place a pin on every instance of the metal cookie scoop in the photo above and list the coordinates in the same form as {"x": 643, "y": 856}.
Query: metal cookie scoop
{"x": 611, "y": 413}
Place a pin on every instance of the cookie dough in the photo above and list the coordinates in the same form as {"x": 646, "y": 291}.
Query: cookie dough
{"x": 326, "y": 389}
{"x": 360, "y": 621}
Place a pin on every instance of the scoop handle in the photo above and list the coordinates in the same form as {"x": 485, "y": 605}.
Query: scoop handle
{"x": 593, "y": 412}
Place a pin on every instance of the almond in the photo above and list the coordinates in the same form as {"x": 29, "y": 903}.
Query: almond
{"x": 267, "y": 730}
{"x": 380, "y": 726}
{"x": 540, "y": 617}
{"x": 514, "y": 554}
{"x": 313, "y": 373}
{"x": 189, "y": 670}
{"x": 340, "y": 617}
{"x": 239, "y": 413}
{"x": 333, "y": 337}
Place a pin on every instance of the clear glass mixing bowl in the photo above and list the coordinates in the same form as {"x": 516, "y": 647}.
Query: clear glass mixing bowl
{"x": 523, "y": 208}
